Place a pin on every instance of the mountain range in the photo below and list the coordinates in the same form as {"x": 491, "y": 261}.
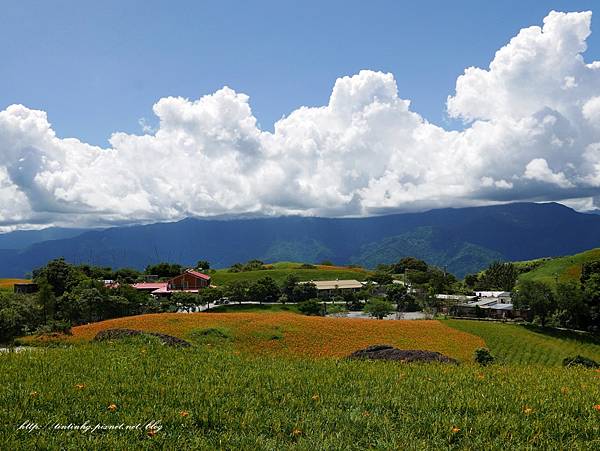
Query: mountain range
{"x": 463, "y": 240}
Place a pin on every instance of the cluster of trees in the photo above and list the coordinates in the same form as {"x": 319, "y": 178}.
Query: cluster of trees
{"x": 571, "y": 304}
{"x": 498, "y": 276}
{"x": 250, "y": 265}
{"x": 73, "y": 294}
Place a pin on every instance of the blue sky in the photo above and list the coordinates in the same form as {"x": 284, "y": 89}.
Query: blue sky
{"x": 505, "y": 108}
{"x": 98, "y": 67}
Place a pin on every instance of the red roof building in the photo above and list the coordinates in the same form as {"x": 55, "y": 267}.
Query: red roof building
{"x": 190, "y": 281}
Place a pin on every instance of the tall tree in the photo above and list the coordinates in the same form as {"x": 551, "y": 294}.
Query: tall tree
{"x": 536, "y": 296}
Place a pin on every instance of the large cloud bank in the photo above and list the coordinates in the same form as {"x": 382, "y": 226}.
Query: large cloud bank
{"x": 532, "y": 132}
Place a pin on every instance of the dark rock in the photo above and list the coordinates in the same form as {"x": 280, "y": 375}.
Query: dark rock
{"x": 387, "y": 352}
{"x": 111, "y": 334}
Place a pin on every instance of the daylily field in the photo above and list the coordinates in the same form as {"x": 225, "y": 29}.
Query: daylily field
{"x": 291, "y": 334}
{"x": 279, "y": 381}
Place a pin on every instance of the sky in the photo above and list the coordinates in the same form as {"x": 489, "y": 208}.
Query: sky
{"x": 126, "y": 112}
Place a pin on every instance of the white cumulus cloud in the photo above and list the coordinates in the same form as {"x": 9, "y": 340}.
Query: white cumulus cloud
{"x": 532, "y": 132}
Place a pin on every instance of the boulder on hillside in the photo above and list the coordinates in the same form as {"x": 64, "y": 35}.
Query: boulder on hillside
{"x": 111, "y": 334}
{"x": 387, "y": 352}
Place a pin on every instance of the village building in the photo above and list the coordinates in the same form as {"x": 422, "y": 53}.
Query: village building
{"x": 328, "y": 288}
{"x": 190, "y": 281}
{"x": 25, "y": 288}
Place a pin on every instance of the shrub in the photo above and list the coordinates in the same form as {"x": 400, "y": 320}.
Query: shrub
{"x": 483, "y": 356}
{"x": 62, "y": 327}
{"x": 580, "y": 360}
{"x": 378, "y": 308}
{"x": 310, "y": 307}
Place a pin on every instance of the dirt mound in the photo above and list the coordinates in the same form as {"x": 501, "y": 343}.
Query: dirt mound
{"x": 111, "y": 334}
{"x": 387, "y": 352}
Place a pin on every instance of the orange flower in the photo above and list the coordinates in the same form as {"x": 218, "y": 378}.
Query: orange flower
{"x": 79, "y": 386}
{"x": 527, "y": 410}
{"x": 597, "y": 407}
{"x": 184, "y": 413}
{"x": 151, "y": 432}
{"x": 34, "y": 394}
{"x": 315, "y": 397}
{"x": 112, "y": 407}
{"x": 455, "y": 430}
{"x": 296, "y": 432}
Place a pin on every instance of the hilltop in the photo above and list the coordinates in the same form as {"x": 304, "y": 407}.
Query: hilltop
{"x": 281, "y": 270}
{"x": 463, "y": 240}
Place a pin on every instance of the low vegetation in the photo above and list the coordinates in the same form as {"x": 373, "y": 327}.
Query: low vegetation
{"x": 212, "y": 397}
{"x": 526, "y": 345}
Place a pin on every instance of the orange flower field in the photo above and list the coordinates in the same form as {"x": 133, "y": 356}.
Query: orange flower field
{"x": 8, "y": 283}
{"x": 298, "y": 335}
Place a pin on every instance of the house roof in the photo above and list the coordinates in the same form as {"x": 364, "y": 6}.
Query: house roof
{"x": 333, "y": 284}
{"x": 197, "y": 274}
{"x": 165, "y": 290}
{"x": 492, "y": 294}
{"x": 149, "y": 285}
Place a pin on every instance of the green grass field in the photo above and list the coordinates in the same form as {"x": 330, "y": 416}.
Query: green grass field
{"x": 523, "y": 345}
{"x": 560, "y": 269}
{"x": 208, "y": 397}
{"x": 282, "y": 270}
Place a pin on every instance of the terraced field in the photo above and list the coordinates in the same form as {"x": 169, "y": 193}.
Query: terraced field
{"x": 523, "y": 345}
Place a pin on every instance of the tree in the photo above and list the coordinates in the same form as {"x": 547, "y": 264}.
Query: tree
{"x": 398, "y": 294}
{"x": 238, "y": 291}
{"x": 573, "y": 312}
{"x": 592, "y": 297}
{"x": 587, "y": 269}
{"x": 164, "y": 270}
{"x": 440, "y": 281}
{"x": 310, "y": 307}
{"x": 203, "y": 265}
{"x": 304, "y": 291}
{"x": 46, "y": 299}
{"x": 288, "y": 286}
{"x": 381, "y": 278}
{"x": 19, "y": 315}
{"x": 378, "y": 308}
{"x": 409, "y": 264}
{"x": 471, "y": 280}
{"x": 59, "y": 274}
{"x": 499, "y": 276}
{"x": 210, "y": 295}
{"x": 536, "y": 296}
{"x": 127, "y": 275}
{"x": 265, "y": 289}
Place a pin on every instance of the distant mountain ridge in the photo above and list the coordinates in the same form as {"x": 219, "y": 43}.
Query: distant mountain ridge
{"x": 463, "y": 240}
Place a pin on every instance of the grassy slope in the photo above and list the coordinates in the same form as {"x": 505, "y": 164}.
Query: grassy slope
{"x": 560, "y": 268}
{"x": 239, "y": 402}
{"x": 283, "y": 269}
{"x": 516, "y": 344}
